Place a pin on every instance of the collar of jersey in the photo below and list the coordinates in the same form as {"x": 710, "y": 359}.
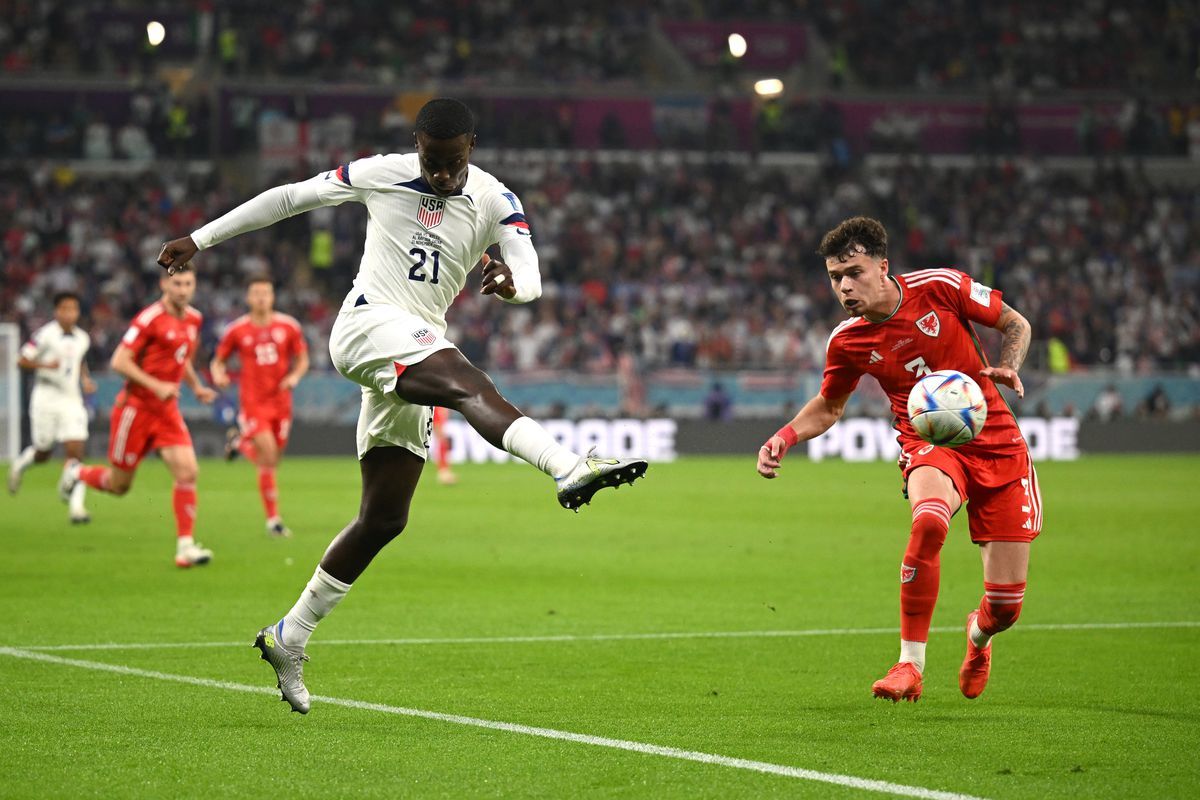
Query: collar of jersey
{"x": 899, "y": 286}
{"x": 419, "y": 184}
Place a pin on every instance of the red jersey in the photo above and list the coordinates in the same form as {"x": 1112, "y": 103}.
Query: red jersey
{"x": 162, "y": 344}
{"x": 931, "y": 330}
{"x": 266, "y": 353}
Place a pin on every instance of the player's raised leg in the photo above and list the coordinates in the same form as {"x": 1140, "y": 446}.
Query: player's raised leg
{"x": 446, "y": 378}
{"x": 181, "y": 463}
{"x": 934, "y": 500}
{"x": 389, "y": 478}
{"x": 24, "y": 460}
{"x": 1005, "y": 567}
{"x": 75, "y": 498}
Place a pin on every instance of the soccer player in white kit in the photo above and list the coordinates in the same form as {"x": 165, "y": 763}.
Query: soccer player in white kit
{"x": 55, "y": 354}
{"x": 431, "y": 216}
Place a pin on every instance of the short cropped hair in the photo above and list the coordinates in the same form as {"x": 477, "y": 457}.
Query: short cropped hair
{"x": 260, "y": 278}
{"x": 445, "y": 118}
{"x": 855, "y": 235}
{"x": 61, "y": 296}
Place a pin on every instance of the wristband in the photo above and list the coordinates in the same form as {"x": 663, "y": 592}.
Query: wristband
{"x": 789, "y": 435}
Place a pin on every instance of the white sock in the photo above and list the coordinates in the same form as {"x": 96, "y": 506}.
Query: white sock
{"x": 77, "y": 495}
{"x": 528, "y": 440}
{"x": 914, "y": 653}
{"x": 319, "y": 597}
{"x": 24, "y": 460}
{"x": 183, "y": 541}
{"x": 978, "y": 637}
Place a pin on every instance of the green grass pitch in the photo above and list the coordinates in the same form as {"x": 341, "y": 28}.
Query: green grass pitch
{"x": 700, "y": 546}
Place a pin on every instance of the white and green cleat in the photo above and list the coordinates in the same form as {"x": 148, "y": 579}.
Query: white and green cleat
{"x": 288, "y": 663}
{"x": 591, "y": 474}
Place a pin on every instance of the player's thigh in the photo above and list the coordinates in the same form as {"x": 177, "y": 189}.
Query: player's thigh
{"x": 1009, "y": 511}
{"x": 389, "y": 479}
{"x": 131, "y": 431}
{"x": 373, "y": 345}
{"x": 385, "y": 420}
{"x": 1005, "y": 562}
{"x": 44, "y": 424}
{"x": 933, "y": 473}
{"x": 181, "y": 462}
{"x": 73, "y": 424}
{"x": 443, "y": 378}
{"x": 265, "y": 443}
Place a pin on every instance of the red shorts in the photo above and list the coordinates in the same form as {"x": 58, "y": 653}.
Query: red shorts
{"x": 1001, "y": 493}
{"x": 254, "y": 420}
{"x": 135, "y": 430}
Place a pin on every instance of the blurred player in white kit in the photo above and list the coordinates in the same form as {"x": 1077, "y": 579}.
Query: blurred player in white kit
{"x": 55, "y": 354}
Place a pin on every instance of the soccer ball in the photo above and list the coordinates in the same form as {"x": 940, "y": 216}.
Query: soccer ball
{"x": 947, "y": 408}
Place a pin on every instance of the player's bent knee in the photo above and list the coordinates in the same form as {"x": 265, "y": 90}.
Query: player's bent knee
{"x": 383, "y": 526}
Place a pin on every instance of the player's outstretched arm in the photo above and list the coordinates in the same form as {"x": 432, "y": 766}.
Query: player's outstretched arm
{"x": 818, "y": 415}
{"x": 220, "y": 375}
{"x": 261, "y": 211}
{"x": 1013, "y": 348}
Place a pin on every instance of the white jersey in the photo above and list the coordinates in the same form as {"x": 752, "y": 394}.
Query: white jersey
{"x": 50, "y": 343}
{"x": 419, "y": 246}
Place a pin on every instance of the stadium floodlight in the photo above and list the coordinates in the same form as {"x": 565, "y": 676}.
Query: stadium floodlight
{"x": 768, "y": 87}
{"x": 737, "y": 45}
{"x": 155, "y": 33}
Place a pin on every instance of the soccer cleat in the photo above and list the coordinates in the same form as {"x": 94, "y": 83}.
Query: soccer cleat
{"x": 14, "y": 479}
{"x": 233, "y": 443}
{"x": 903, "y": 682}
{"x": 68, "y": 479}
{"x": 591, "y": 474}
{"x": 446, "y": 477}
{"x": 976, "y": 666}
{"x": 288, "y": 663}
{"x": 192, "y": 555}
{"x": 80, "y": 518}
{"x": 277, "y": 529}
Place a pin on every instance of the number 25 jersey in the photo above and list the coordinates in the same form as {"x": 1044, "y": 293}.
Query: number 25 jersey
{"x": 931, "y": 330}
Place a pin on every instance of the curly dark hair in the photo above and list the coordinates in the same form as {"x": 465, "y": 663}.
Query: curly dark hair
{"x": 445, "y": 118}
{"x": 855, "y": 235}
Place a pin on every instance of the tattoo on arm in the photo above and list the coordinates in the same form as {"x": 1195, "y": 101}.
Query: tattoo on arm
{"x": 1017, "y": 334}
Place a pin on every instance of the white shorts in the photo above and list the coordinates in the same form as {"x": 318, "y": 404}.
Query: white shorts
{"x": 371, "y": 344}
{"x": 53, "y": 421}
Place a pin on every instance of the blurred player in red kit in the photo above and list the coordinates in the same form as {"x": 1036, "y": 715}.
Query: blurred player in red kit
{"x": 446, "y": 476}
{"x": 154, "y": 355}
{"x": 900, "y": 329}
{"x": 274, "y": 357}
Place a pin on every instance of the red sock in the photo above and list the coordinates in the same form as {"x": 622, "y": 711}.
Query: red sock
{"x": 246, "y": 447}
{"x": 97, "y": 477}
{"x": 1000, "y": 606}
{"x": 921, "y": 571}
{"x": 266, "y": 488}
{"x": 184, "y": 499}
{"x": 443, "y": 453}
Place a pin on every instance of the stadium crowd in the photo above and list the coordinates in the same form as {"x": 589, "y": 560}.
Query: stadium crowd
{"x": 1023, "y": 44}
{"x": 699, "y": 265}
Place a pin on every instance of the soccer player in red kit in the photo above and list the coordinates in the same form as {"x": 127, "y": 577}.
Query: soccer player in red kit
{"x": 154, "y": 355}
{"x": 446, "y": 475}
{"x": 274, "y": 358}
{"x": 900, "y": 329}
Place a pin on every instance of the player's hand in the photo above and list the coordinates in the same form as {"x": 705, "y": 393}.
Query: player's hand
{"x": 205, "y": 394}
{"x": 1006, "y": 376}
{"x": 88, "y": 385}
{"x": 49, "y": 365}
{"x": 289, "y": 382}
{"x": 176, "y": 253}
{"x": 770, "y": 456}
{"x": 221, "y": 379}
{"x": 497, "y": 278}
{"x": 165, "y": 391}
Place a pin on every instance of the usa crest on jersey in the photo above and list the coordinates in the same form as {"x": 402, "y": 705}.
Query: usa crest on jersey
{"x": 430, "y": 212}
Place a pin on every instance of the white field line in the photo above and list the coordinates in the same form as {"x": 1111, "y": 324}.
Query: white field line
{"x": 850, "y": 781}
{"x": 614, "y": 637}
